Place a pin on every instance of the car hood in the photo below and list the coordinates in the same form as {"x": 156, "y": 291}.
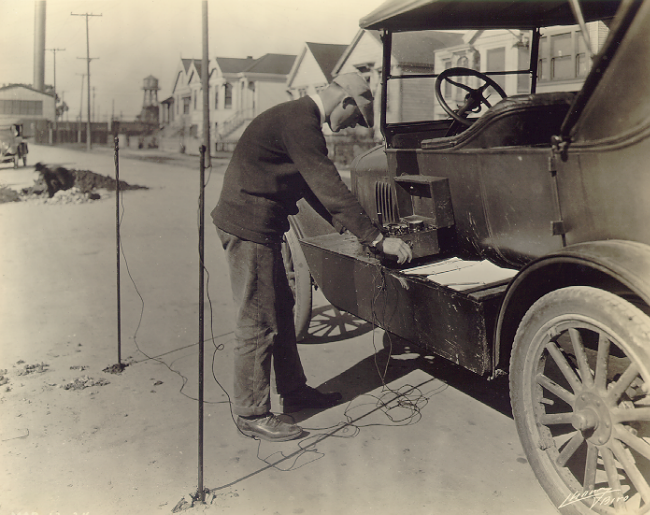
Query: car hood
{"x": 405, "y": 15}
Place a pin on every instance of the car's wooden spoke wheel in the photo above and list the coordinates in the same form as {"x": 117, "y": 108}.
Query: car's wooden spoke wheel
{"x": 580, "y": 396}
{"x": 300, "y": 282}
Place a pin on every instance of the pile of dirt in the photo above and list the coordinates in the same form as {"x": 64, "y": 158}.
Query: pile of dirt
{"x": 71, "y": 196}
{"x": 8, "y": 195}
{"x": 84, "y": 382}
{"x": 38, "y": 368}
{"x": 81, "y": 189}
{"x": 88, "y": 181}
{"x": 118, "y": 368}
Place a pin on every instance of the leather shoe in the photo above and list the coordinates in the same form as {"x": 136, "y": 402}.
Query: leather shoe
{"x": 309, "y": 398}
{"x": 268, "y": 427}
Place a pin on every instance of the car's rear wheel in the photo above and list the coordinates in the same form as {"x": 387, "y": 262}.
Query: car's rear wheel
{"x": 300, "y": 281}
{"x": 580, "y": 385}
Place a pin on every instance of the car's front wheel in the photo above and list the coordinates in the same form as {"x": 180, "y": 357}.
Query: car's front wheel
{"x": 580, "y": 385}
{"x": 300, "y": 282}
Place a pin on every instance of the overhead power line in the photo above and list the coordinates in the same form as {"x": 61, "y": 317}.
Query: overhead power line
{"x": 88, "y": 59}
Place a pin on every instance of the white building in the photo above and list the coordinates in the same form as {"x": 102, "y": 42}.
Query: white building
{"x": 240, "y": 89}
{"x": 312, "y": 70}
{"x": 20, "y": 103}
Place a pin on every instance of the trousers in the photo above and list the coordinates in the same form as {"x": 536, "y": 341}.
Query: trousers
{"x": 265, "y": 335}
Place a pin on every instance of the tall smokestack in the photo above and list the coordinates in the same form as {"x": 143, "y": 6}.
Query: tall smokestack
{"x": 39, "y": 46}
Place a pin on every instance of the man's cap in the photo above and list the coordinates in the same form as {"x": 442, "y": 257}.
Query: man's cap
{"x": 357, "y": 87}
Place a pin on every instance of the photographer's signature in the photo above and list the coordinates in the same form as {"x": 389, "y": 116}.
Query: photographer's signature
{"x": 601, "y": 497}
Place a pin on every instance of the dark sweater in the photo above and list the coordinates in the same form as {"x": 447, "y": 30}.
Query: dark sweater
{"x": 281, "y": 158}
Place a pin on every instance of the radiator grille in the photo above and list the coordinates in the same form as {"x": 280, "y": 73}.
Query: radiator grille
{"x": 385, "y": 202}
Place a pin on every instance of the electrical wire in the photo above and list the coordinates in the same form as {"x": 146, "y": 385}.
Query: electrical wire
{"x": 157, "y": 359}
{"x": 406, "y": 397}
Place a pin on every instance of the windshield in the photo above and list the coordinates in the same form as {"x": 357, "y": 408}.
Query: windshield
{"x": 417, "y": 58}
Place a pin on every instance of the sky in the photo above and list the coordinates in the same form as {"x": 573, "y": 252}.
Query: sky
{"x": 133, "y": 39}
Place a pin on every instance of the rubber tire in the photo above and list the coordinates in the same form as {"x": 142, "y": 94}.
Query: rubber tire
{"x": 621, "y": 319}
{"x": 300, "y": 281}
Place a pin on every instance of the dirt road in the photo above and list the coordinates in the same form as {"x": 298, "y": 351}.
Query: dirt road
{"x": 75, "y": 438}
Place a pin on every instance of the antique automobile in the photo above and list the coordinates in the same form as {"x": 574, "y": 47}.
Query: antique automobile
{"x": 527, "y": 209}
{"x": 13, "y": 148}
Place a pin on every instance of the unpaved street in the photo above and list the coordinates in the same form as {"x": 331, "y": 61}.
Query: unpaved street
{"x": 77, "y": 439}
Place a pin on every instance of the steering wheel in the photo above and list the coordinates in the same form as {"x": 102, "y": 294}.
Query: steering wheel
{"x": 474, "y": 97}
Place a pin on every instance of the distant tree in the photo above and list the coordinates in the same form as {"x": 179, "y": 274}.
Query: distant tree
{"x": 61, "y": 109}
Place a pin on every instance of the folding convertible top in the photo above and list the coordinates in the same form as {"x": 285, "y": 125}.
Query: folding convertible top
{"x": 407, "y": 15}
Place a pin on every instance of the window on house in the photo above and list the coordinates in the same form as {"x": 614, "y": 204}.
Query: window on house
{"x": 582, "y": 63}
{"x": 496, "y": 62}
{"x": 365, "y": 68}
{"x": 562, "y": 57}
{"x": 463, "y": 62}
{"x": 28, "y": 107}
{"x": 523, "y": 62}
{"x": 543, "y": 69}
{"x": 447, "y": 83}
{"x": 216, "y": 98}
{"x": 195, "y": 97}
{"x": 186, "y": 105}
{"x": 227, "y": 97}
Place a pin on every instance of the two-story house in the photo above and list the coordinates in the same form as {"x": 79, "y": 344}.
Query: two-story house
{"x": 240, "y": 89}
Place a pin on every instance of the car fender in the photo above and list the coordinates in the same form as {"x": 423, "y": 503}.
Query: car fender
{"x": 618, "y": 266}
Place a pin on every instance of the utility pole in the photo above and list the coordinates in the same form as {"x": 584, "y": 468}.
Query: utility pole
{"x": 67, "y": 116}
{"x": 81, "y": 103}
{"x": 54, "y": 51}
{"x": 88, "y": 59}
{"x": 81, "y": 97}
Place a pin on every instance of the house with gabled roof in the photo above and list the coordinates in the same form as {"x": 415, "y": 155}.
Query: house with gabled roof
{"x": 240, "y": 89}
{"x": 224, "y": 99}
{"x": 258, "y": 87}
{"x": 181, "y": 112}
{"x": 312, "y": 69}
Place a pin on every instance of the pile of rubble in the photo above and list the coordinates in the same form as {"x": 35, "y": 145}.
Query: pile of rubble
{"x": 72, "y": 196}
{"x": 65, "y": 186}
{"x": 84, "y": 382}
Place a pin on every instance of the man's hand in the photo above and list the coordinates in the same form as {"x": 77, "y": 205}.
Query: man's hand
{"x": 396, "y": 247}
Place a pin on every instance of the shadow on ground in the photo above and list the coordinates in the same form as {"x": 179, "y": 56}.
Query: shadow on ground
{"x": 395, "y": 358}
